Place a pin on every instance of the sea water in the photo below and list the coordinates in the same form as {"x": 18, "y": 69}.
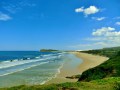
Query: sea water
{"x": 30, "y": 67}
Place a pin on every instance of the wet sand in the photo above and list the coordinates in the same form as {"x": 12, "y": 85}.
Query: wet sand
{"x": 88, "y": 61}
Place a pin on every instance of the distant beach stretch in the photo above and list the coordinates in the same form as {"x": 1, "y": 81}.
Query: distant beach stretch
{"x": 88, "y": 61}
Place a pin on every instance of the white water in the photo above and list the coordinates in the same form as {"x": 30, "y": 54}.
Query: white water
{"x": 30, "y": 72}
{"x": 9, "y": 67}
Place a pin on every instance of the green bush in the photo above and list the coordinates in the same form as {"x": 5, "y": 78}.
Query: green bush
{"x": 117, "y": 86}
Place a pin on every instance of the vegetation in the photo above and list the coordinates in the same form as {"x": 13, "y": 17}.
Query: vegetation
{"x": 110, "y": 68}
{"x": 48, "y": 50}
{"x": 109, "y": 52}
{"x": 117, "y": 86}
{"x": 101, "y": 84}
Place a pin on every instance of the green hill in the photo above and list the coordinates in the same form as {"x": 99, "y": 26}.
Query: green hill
{"x": 48, "y": 50}
{"x": 111, "y": 68}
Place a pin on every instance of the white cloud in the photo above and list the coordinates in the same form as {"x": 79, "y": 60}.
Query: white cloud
{"x": 88, "y": 11}
{"x": 91, "y": 10}
{"x": 108, "y": 35}
{"x": 98, "y": 18}
{"x": 101, "y": 38}
{"x": 4, "y": 17}
{"x": 79, "y": 10}
{"x": 117, "y": 23}
{"x": 103, "y": 31}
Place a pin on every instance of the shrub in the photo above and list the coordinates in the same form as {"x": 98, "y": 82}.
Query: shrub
{"x": 117, "y": 86}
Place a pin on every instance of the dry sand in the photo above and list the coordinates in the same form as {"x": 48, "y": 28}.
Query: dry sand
{"x": 89, "y": 61}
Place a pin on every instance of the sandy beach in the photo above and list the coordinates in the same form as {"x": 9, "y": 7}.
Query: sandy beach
{"x": 88, "y": 61}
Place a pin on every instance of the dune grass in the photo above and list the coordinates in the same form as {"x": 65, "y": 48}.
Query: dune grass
{"x": 100, "y": 84}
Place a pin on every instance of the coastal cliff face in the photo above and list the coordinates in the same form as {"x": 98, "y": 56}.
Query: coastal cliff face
{"x": 110, "y": 68}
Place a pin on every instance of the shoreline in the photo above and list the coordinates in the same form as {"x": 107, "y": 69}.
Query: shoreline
{"x": 88, "y": 61}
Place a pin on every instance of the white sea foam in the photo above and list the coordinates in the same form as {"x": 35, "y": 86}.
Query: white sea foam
{"x": 7, "y": 64}
{"x": 22, "y": 69}
{"x": 53, "y": 76}
{"x": 14, "y": 63}
{"x": 37, "y": 57}
{"x": 11, "y": 63}
{"x": 41, "y": 74}
{"x": 56, "y": 74}
{"x": 26, "y": 64}
{"x": 28, "y": 58}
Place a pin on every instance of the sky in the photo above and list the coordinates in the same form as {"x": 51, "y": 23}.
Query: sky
{"x": 59, "y": 24}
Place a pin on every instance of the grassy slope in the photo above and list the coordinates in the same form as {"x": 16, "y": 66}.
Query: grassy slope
{"x": 102, "y": 84}
{"x": 110, "y": 68}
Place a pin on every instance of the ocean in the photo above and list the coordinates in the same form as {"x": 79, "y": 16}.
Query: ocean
{"x": 30, "y": 67}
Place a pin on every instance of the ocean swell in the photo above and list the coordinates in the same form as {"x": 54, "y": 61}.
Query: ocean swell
{"x": 12, "y": 66}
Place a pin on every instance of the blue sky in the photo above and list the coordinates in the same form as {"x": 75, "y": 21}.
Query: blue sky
{"x": 59, "y": 24}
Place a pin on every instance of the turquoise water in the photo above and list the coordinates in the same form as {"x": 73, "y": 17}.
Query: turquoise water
{"x": 33, "y": 76}
{"x": 14, "y": 61}
{"x": 33, "y": 71}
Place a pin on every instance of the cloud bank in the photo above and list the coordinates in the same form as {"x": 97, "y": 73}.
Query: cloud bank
{"x": 101, "y": 38}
